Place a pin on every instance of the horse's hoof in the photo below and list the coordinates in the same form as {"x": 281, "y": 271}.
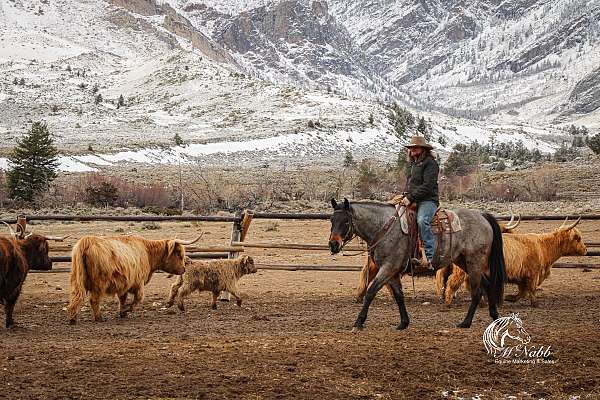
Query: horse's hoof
{"x": 356, "y": 329}
{"x": 402, "y": 326}
{"x": 511, "y": 297}
{"x": 123, "y": 314}
{"x": 463, "y": 325}
{"x": 72, "y": 322}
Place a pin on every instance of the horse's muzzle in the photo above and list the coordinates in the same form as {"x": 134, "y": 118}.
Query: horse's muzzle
{"x": 334, "y": 246}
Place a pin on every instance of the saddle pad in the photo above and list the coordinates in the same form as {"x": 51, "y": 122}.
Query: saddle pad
{"x": 445, "y": 221}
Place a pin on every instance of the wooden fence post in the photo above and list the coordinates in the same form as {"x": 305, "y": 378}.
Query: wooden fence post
{"x": 21, "y": 226}
{"x": 238, "y": 234}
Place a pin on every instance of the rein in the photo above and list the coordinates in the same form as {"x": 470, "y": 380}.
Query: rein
{"x": 379, "y": 236}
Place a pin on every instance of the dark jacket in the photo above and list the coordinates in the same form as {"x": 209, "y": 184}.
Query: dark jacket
{"x": 422, "y": 180}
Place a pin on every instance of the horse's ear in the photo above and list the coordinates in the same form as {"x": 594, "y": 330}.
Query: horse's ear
{"x": 333, "y": 203}
{"x": 346, "y": 204}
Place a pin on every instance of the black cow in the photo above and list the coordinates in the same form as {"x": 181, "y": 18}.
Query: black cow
{"x": 17, "y": 257}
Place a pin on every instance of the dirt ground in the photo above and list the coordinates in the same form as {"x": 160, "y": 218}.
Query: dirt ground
{"x": 291, "y": 338}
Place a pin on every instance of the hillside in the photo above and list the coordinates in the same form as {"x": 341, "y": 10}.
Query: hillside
{"x": 290, "y": 82}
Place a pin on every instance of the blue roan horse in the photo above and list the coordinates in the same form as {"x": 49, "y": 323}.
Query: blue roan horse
{"x": 477, "y": 245}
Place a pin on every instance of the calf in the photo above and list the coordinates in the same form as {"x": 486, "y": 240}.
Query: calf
{"x": 214, "y": 276}
{"x": 119, "y": 265}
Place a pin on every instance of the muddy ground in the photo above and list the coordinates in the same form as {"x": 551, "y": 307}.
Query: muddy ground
{"x": 291, "y": 338}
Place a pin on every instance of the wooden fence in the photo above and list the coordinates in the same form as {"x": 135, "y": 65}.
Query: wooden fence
{"x": 240, "y": 225}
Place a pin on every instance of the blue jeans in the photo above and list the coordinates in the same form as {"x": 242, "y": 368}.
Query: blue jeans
{"x": 425, "y": 212}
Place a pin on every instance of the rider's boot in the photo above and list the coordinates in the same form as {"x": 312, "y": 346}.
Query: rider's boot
{"x": 422, "y": 267}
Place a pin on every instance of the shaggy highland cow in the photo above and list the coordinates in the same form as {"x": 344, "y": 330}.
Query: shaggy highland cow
{"x": 214, "y": 276}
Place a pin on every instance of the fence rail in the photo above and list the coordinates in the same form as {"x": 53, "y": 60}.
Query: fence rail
{"x": 238, "y": 218}
{"x": 241, "y": 223}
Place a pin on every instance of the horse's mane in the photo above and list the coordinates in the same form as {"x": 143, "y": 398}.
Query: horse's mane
{"x": 371, "y": 203}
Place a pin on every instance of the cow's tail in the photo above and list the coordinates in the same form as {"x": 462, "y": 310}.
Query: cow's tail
{"x": 496, "y": 263}
{"x": 77, "y": 280}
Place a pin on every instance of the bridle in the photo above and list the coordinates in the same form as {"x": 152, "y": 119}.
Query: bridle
{"x": 379, "y": 236}
{"x": 350, "y": 233}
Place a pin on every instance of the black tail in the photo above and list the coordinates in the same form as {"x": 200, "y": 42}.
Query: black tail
{"x": 496, "y": 263}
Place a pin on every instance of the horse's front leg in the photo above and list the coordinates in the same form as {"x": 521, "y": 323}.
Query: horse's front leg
{"x": 396, "y": 286}
{"x": 383, "y": 276}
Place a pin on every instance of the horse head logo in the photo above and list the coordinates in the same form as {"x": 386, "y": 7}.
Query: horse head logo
{"x": 501, "y": 330}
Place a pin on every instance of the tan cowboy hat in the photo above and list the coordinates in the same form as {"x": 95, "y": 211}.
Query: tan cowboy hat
{"x": 419, "y": 141}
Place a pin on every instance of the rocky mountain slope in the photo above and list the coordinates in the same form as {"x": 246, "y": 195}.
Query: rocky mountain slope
{"x": 254, "y": 81}
{"x": 506, "y": 60}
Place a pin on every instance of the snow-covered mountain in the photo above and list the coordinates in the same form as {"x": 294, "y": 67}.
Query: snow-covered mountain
{"x": 509, "y": 60}
{"x": 293, "y": 80}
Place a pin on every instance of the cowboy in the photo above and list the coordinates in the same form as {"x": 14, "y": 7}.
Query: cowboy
{"x": 422, "y": 190}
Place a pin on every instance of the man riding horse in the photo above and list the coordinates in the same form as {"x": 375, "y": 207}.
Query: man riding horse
{"x": 422, "y": 190}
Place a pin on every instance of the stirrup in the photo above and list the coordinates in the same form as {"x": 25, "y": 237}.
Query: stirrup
{"x": 419, "y": 268}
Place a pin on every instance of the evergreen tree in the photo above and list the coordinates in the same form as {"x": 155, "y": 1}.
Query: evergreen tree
{"x": 95, "y": 88}
{"x": 178, "y": 140}
{"x": 98, "y": 99}
{"x": 401, "y": 162}
{"x": 22, "y": 82}
{"x": 349, "y": 159}
{"x": 422, "y": 127}
{"x": 371, "y": 119}
{"x": 442, "y": 141}
{"x": 121, "y": 101}
{"x": 594, "y": 143}
{"x": 16, "y": 81}
{"x": 462, "y": 161}
{"x": 33, "y": 164}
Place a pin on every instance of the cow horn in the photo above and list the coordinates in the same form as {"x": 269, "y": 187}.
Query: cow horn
{"x": 512, "y": 218}
{"x": 57, "y": 238}
{"x": 12, "y": 232}
{"x": 573, "y": 225}
{"x": 564, "y": 222}
{"x": 514, "y": 225}
{"x": 188, "y": 242}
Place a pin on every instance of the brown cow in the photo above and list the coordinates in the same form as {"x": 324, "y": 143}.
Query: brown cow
{"x": 17, "y": 257}
{"x": 529, "y": 258}
{"x": 119, "y": 265}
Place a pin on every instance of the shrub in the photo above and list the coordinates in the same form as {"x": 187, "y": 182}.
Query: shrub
{"x": 104, "y": 193}
{"x": 594, "y": 143}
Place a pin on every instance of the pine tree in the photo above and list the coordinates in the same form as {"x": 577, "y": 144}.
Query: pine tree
{"x": 98, "y": 99}
{"x": 95, "y": 88}
{"x": 121, "y": 101}
{"x": 349, "y": 159}
{"x": 594, "y": 143}
{"x": 371, "y": 119}
{"x": 33, "y": 164}
{"x": 422, "y": 127}
{"x": 178, "y": 140}
{"x": 401, "y": 162}
{"x": 16, "y": 81}
{"x": 22, "y": 82}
